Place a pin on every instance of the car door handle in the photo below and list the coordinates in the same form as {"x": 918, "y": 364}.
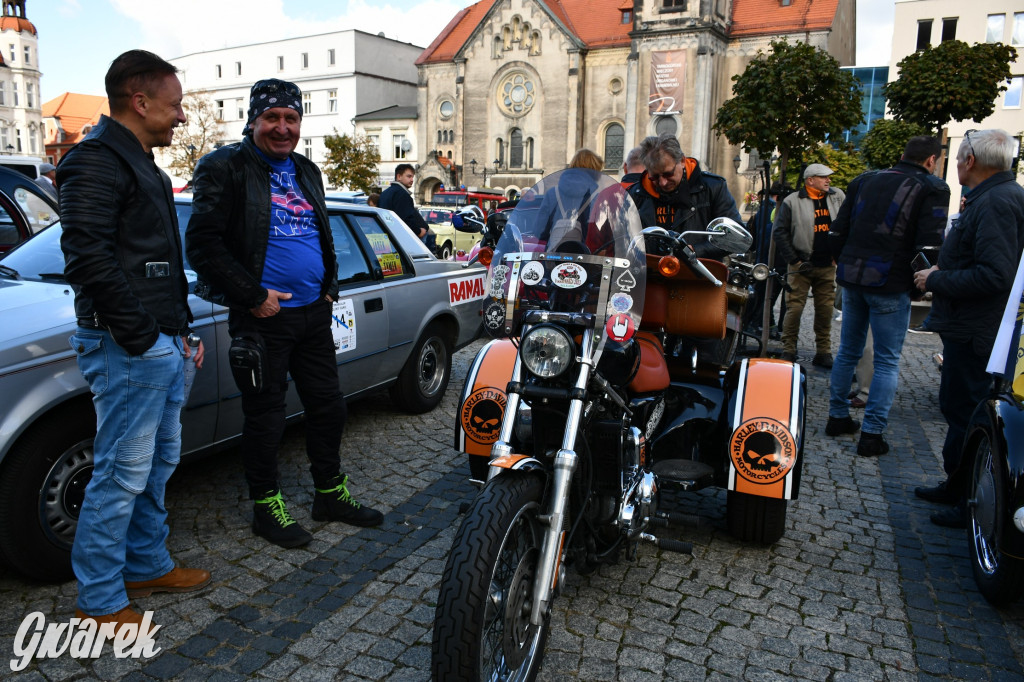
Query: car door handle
{"x": 373, "y": 305}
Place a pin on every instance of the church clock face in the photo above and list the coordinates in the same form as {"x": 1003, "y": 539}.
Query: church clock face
{"x": 516, "y": 93}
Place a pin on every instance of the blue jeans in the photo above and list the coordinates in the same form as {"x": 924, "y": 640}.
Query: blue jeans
{"x": 888, "y": 316}
{"x": 122, "y": 528}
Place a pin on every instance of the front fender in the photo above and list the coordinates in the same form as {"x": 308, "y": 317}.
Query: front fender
{"x": 482, "y": 405}
{"x": 1001, "y": 419}
{"x": 765, "y": 427}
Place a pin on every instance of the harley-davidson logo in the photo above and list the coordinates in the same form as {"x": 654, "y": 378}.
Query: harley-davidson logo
{"x": 481, "y": 414}
{"x": 762, "y": 450}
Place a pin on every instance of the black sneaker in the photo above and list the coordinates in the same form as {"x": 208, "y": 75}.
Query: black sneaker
{"x": 822, "y": 360}
{"x": 920, "y": 329}
{"x": 872, "y": 445}
{"x": 270, "y": 520}
{"x": 837, "y": 426}
{"x": 336, "y": 504}
{"x": 787, "y": 356}
{"x": 940, "y": 494}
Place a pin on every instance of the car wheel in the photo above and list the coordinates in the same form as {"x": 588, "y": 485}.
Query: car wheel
{"x": 41, "y": 491}
{"x": 446, "y": 251}
{"x": 1000, "y": 578}
{"x": 422, "y": 382}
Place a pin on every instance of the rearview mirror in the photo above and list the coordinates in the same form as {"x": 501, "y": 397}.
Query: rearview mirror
{"x": 729, "y": 236}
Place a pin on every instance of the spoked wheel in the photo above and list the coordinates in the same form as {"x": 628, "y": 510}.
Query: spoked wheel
{"x": 482, "y": 628}
{"x": 1000, "y": 578}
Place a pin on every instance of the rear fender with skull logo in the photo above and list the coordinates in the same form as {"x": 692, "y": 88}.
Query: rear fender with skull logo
{"x": 766, "y": 417}
{"x": 482, "y": 405}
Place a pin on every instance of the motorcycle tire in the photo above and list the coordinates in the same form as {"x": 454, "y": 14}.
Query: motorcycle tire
{"x": 752, "y": 518}
{"x": 1000, "y": 578}
{"x": 481, "y": 628}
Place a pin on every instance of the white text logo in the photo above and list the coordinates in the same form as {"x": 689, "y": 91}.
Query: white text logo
{"x": 81, "y": 639}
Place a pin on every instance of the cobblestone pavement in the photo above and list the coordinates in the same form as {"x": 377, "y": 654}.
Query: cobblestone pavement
{"x": 861, "y": 587}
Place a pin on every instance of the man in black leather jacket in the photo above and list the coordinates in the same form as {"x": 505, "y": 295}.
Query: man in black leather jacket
{"x": 675, "y": 193}
{"x": 122, "y": 253}
{"x": 971, "y": 282}
{"x": 260, "y": 240}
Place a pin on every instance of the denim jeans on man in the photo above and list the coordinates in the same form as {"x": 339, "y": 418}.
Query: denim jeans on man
{"x": 122, "y": 528}
{"x": 888, "y": 316}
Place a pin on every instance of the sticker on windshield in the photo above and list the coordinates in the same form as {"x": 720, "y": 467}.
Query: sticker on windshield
{"x": 620, "y": 328}
{"x": 533, "y": 273}
{"x": 620, "y": 303}
{"x": 343, "y": 325}
{"x": 625, "y": 281}
{"x": 499, "y": 274}
{"x": 466, "y": 289}
{"x": 568, "y": 276}
{"x": 494, "y": 317}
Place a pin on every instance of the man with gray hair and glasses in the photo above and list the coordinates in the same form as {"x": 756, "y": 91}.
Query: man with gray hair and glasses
{"x": 674, "y": 193}
{"x": 976, "y": 269}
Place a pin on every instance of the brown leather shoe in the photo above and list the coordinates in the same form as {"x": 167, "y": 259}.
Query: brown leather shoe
{"x": 178, "y": 580}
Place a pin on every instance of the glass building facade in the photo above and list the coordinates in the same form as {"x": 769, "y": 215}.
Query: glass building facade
{"x": 872, "y": 102}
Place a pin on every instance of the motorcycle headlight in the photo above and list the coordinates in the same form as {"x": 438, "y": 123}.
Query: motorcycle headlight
{"x": 760, "y": 272}
{"x": 547, "y": 351}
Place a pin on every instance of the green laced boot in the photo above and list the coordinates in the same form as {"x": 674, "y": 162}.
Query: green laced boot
{"x": 336, "y": 504}
{"x": 271, "y": 520}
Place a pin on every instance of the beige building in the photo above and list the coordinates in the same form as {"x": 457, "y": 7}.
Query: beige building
{"x": 21, "y": 116}
{"x": 919, "y": 23}
{"x": 525, "y": 83}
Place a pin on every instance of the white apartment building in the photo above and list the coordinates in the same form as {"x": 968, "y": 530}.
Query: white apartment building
{"x": 392, "y": 130}
{"x": 919, "y": 23}
{"x": 340, "y": 74}
{"x": 21, "y": 114}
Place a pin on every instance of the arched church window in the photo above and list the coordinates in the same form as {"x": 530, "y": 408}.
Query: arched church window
{"x": 666, "y": 124}
{"x": 614, "y": 138}
{"x": 515, "y": 151}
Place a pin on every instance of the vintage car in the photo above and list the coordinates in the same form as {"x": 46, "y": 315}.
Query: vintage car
{"x": 25, "y": 209}
{"x": 992, "y": 466}
{"x": 450, "y": 239}
{"x": 401, "y": 314}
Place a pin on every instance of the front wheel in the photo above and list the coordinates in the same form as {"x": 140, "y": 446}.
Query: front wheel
{"x": 752, "y": 518}
{"x": 482, "y": 628}
{"x": 422, "y": 382}
{"x": 1000, "y": 578}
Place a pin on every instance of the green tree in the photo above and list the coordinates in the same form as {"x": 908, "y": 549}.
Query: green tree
{"x": 845, "y": 166}
{"x": 952, "y": 81}
{"x": 883, "y": 145}
{"x": 789, "y": 99}
{"x": 351, "y": 161}
{"x": 198, "y": 136}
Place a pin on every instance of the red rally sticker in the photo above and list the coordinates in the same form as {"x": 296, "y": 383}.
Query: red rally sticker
{"x": 620, "y": 327}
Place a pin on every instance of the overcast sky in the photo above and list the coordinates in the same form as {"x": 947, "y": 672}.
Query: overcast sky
{"x": 79, "y": 38}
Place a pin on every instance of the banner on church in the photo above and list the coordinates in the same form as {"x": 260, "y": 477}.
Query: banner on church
{"x": 667, "y": 79}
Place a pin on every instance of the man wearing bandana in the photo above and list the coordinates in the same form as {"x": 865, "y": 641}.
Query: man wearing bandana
{"x": 260, "y": 241}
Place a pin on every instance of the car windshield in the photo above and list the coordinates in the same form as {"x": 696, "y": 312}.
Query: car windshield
{"x": 40, "y": 258}
{"x": 434, "y": 217}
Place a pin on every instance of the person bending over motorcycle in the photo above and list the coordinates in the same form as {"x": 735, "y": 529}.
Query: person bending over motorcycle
{"x": 674, "y": 193}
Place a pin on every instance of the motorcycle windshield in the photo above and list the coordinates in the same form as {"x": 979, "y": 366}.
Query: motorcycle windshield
{"x": 572, "y": 248}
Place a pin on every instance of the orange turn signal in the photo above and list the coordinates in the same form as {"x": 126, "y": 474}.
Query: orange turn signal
{"x": 668, "y": 266}
{"x": 486, "y": 255}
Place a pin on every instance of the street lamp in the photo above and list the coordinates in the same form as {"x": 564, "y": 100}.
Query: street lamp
{"x": 736, "y": 163}
{"x": 10, "y": 149}
{"x": 473, "y": 164}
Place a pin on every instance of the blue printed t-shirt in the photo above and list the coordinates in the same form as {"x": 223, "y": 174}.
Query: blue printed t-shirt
{"x": 295, "y": 262}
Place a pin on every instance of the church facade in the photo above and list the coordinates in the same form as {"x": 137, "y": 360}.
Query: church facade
{"x": 519, "y": 85}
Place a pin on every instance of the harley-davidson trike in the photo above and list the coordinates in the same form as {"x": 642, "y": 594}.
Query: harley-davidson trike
{"x": 610, "y": 378}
